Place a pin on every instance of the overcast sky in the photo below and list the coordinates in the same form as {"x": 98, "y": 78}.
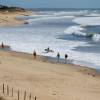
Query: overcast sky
{"x": 53, "y": 3}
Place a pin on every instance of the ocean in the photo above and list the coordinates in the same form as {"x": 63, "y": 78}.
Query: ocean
{"x": 72, "y": 32}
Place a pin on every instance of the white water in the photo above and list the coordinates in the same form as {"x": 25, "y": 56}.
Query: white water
{"x": 88, "y": 21}
{"x": 96, "y": 37}
{"x": 76, "y": 30}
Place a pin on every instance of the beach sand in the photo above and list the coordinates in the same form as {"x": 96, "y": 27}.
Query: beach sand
{"x": 9, "y": 18}
{"x": 47, "y": 81}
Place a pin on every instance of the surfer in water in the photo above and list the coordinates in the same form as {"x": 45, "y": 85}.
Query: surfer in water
{"x": 48, "y": 50}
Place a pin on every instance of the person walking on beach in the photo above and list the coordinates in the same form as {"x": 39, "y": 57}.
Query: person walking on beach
{"x": 66, "y": 56}
{"x": 58, "y": 56}
{"x": 2, "y": 45}
{"x": 34, "y": 54}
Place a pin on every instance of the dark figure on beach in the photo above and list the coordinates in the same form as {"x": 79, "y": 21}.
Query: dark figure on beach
{"x": 48, "y": 49}
{"x": 58, "y": 56}
{"x": 66, "y": 56}
{"x": 2, "y": 45}
{"x": 34, "y": 54}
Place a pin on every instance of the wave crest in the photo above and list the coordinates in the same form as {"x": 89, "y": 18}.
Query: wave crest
{"x": 77, "y": 31}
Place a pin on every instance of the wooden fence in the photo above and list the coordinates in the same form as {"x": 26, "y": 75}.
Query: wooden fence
{"x": 6, "y": 90}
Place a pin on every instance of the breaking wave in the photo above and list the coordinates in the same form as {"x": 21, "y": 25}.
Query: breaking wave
{"x": 78, "y": 31}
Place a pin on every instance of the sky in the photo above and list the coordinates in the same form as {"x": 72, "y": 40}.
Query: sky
{"x": 53, "y": 3}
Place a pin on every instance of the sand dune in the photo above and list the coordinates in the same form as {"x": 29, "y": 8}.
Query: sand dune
{"x": 48, "y": 81}
{"x": 9, "y": 18}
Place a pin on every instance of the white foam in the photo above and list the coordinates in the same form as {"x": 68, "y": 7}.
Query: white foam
{"x": 72, "y": 13}
{"x": 93, "y": 15}
{"x": 96, "y": 37}
{"x": 84, "y": 59}
{"x": 48, "y": 17}
{"x": 76, "y": 30}
{"x": 91, "y": 21}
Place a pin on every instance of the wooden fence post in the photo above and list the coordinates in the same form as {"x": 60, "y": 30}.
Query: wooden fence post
{"x": 7, "y": 90}
{"x": 25, "y": 95}
{"x": 3, "y": 88}
{"x": 35, "y": 98}
{"x": 12, "y": 92}
{"x": 30, "y": 96}
{"x": 18, "y": 94}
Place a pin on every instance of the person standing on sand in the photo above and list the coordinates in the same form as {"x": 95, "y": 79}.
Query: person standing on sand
{"x": 48, "y": 49}
{"x": 58, "y": 56}
{"x": 66, "y": 56}
{"x": 34, "y": 54}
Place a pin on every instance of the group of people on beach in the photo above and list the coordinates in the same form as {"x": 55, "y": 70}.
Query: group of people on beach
{"x": 58, "y": 55}
{"x": 48, "y": 50}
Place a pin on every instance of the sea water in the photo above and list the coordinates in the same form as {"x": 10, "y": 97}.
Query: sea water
{"x": 72, "y": 32}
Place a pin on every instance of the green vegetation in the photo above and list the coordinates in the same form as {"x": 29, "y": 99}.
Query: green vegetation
{"x": 11, "y": 9}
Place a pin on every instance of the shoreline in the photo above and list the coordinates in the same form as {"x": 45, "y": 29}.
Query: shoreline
{"x": 42, "y": 58}
{"x": 48, "y": 59}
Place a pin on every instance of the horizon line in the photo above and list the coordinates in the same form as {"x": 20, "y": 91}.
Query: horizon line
{"x": 74, "y": 8}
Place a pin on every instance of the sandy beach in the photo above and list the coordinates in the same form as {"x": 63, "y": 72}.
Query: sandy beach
{"x": 47, "y": 81}
{"x": 41, "y": 78}
{"x": 9, "y": 18}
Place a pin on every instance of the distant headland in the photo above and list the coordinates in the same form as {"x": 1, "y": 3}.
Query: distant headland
{"x": 6, "y": 8}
